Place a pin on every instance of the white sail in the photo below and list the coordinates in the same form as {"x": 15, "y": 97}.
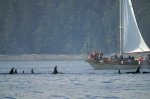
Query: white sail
{"x": 132, "y": 38}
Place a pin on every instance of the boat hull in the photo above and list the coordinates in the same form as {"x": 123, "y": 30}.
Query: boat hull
{"x": 99, "y": 66}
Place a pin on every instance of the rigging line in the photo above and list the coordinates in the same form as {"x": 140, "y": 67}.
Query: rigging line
{"x": 141, "y": 49}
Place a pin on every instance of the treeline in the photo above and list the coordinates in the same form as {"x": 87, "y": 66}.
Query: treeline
{"x": 64, "y": 26}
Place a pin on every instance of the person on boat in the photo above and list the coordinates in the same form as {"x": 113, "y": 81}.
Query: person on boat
{"x": 97, "y": 56}
{"x": 15, "y": 71}
{"x": 121, "y": 58}
{"x": 97, "y": 59}
{"x": 101, "y": 54}
{"x": 129, "y": 60}
{"x": 116, "y": 58}
{"x": 23, "y": 71}
{"x": 132, "y": 60}
{"x": 32, "y": 71}
{"x": 91, "y": 56}
{"x": 11, "y": 71}
{"x": 141, "y": 60}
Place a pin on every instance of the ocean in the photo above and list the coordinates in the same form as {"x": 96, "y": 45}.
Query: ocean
{"x": 77, "y": 81}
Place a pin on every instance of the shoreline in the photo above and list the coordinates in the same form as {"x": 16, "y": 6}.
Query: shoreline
{"x": 41, "y": 57}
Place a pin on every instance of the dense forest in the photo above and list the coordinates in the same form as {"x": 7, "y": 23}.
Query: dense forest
{"x": 65, "y": 26}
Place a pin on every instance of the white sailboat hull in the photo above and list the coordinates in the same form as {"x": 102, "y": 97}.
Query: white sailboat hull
{"x": 99, "y": 66}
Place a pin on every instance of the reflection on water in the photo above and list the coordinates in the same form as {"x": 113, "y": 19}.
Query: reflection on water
{"x": 78, "y": 81}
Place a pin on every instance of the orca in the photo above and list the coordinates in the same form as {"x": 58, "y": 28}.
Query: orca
{"x": 15, "y": 71}
{"x": 32, "y": 72}
{"x": 145, "y": 72}
{"x": 136, "y": 72}
{"x": 119, "y": 71}
{"x": 11, "y": 71}
{"x": 55, "y": 70}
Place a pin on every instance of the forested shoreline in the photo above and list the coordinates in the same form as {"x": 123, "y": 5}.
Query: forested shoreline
{"x": 65, "y": 26}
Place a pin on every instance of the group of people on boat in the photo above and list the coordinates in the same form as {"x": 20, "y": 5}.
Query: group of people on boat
{"x": 95, "y": 56}
{"x": 128, "y": 60}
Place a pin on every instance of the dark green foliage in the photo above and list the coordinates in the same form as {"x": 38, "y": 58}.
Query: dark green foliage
{"x": 64, "y": 26}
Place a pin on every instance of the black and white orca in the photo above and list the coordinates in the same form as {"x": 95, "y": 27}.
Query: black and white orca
{"x": 55, "y": 70}
{"x": 136, "y": 72}
{"x": 12, "y": 71}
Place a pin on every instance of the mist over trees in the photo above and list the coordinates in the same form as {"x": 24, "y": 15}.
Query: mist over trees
{"x": 65, "y": 26}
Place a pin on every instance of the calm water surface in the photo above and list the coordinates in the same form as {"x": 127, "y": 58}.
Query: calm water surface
{"x": 78, "y": 81}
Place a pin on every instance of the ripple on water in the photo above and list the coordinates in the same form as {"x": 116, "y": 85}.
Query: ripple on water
{"x": 79, "y": 80}
{"x": 8, "y": 98}
{"x": 59, "y": 97}
{"x": 92, "y": 97}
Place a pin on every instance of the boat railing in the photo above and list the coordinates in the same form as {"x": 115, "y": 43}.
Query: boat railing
{"x": 115, "y": 62}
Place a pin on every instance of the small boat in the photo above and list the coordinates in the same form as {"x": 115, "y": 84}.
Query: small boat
{"x": 131, "y": 43}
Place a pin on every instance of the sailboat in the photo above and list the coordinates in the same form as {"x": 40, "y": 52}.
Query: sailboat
{"x": 131, "y": 43}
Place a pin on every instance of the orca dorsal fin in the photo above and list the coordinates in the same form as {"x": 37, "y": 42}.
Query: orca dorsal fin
{"x": 138, "y": 70}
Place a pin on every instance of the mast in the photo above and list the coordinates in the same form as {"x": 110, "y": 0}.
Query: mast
{"x": 121, "y": 25}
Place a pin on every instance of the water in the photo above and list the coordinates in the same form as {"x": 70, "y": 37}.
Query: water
{"x": 78, "y": 81}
